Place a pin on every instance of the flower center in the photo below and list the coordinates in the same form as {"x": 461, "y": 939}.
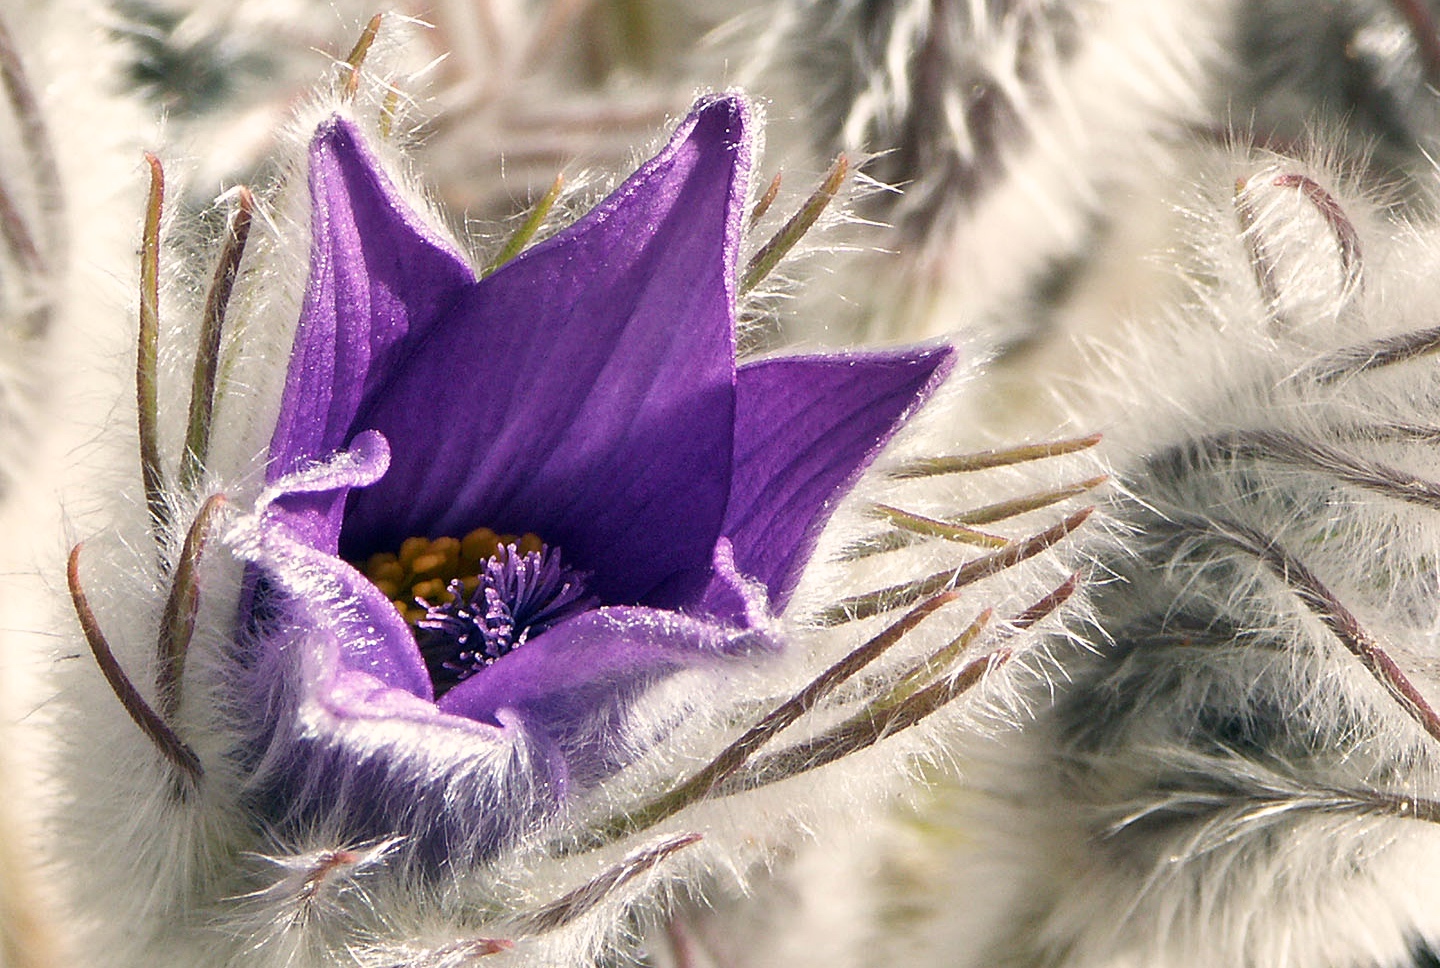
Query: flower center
{"x": 473, "y": 600}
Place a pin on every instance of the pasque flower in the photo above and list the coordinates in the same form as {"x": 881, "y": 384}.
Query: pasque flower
{"x": 473, "y": 589}
{"x": 584, "y": 395}
{"x": 503, "y": 601}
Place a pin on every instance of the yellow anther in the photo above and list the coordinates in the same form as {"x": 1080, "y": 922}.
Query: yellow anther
{"x": 478, "y": 545}
{"x": 449, "y": 549}
{"x": 428, "y": 564}
{"x": 387, "y": 571}
{"x": 412, "y": 548}
{"x": 425, "y": 567}
{"x": 432, "y": 590}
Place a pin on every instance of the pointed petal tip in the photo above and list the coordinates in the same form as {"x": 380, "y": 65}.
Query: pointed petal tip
{"x": 334, "y": 132}
{"x": 939, "y": 357}
{"x": 722, "y": 123}
{"x": 727, "y": 112}
{"x": 596, "y": 338}
{"x": 940, "y": 360}
{"x": 380, "y": 276}
{"x": 806, "y": 428}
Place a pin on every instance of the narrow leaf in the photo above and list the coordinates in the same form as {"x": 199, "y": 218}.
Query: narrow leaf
{"x": 733, "y": 757}
{"x": 865, "y": 729}
{"x": 177, "y": 621}
{"x": 984, "y": 460}
{"x": 898, "y": 596}
{"x": 207, "y": 348}
{"x": 906, "y": 703}
{"x": 154, "y": 727}
{"x": 1385, "y": 351}
{"x": 770, "y": 254}
{"x": 388, "y": 110}
{"x": 766, "y": 200}
{"x": 522, "y": 235}
{"x": 146, "y": 359}
{"x": 1341, "y": 622}
{"x": 1261, "y": 265}
{"x": 358, "y": 53}
{"x": 584, "y": 898}
{"x": 988, "y": 514}
{"x": 1346, "y": 238}
{"x": 935, "y": 528}
{"x": 1291, "y": 449}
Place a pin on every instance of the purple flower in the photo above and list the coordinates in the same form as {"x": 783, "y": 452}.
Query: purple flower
{"x": 585, "y": 393}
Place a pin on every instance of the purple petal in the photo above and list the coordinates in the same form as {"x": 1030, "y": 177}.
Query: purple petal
{"x": 805, "y": 429}
{"x": 576, "y": 682}
{"x": 346, "y": 738}
{"x": 378, "y": 274}
{"x": 367, "y": 650}
{"x": 309, "y": 501}
{"x": 730, "y": 597}
{"x": 585, "y": 391}
{"x": 337, "y": 750}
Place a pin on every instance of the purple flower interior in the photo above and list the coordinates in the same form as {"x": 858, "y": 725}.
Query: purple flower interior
{"x": 587, "y": 392}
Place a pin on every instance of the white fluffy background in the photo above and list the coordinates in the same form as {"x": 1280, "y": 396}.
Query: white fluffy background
{"x": 58, "y": 391}
{"x": 1257, "y": 742}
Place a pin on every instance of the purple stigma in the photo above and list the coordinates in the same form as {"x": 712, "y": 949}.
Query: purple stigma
{"x": 518, "y": 596}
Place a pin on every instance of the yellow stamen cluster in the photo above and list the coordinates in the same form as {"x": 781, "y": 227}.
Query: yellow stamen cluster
{"x": 425, "y": 567}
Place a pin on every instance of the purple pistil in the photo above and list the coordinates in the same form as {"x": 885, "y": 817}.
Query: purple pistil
{"x": 518, "y": 596}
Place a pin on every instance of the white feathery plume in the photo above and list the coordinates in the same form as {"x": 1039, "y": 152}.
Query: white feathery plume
{"x": 1363, "y": 71}
{"x": 69, "y": 159}
{"x": 512, "y": 91}
{"x": 1030, "y": 142}
{"x": 1013, "y": 134}
{"x": 1240, "y": 768}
